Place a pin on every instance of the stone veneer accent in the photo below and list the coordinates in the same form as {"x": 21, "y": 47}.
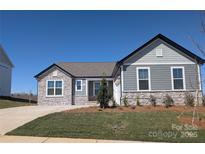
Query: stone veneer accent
{"x": 80, "y": 100}
{"x": 177, "y": 96}
{"x": 66, "y": 99}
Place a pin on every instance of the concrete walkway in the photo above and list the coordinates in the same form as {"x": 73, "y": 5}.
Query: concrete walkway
{"x": 11, "y": 118}
{"x": 29, "y": 139}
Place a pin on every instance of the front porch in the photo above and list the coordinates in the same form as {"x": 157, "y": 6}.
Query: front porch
{"x": 94, "y": 87}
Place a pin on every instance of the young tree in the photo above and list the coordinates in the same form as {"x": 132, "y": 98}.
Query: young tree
{"x": 103, "y": 96}
{"x": 202, "y": 51}
{"x": 196, "y": 103}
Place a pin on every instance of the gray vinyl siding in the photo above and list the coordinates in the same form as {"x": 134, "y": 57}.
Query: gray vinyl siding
{"x": 83, "y": 92}
{"x": 191, "y": 77}
{"x": 160, "y": 76}
{"x": 148, "y": 54}
{"x": 129, "y": 77}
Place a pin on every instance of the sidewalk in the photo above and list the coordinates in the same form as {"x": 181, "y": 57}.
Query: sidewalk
{"x": 29, "y": 139}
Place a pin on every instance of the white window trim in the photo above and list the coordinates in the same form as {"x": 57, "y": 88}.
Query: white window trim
{"x": 172, "y": 78}
{"x": 149, "y": 78}
{"x": 81, "y": 84}
{"x": 54, "y": 88}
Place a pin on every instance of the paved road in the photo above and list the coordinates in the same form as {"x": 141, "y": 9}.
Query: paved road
{"x": 11, "y": 118}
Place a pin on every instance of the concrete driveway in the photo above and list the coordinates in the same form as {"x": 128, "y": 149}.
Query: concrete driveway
{"x": 11, "y": 118}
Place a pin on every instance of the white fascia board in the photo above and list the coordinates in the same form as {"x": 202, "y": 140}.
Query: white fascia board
{"x": 177, "y": 63}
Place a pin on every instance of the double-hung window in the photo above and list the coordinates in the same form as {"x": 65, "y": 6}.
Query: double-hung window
{"x": 78, "y": 85}
{"x": 58, "y": 88}
{"x": 143, "y": 78}
{"x": 96, "y": 87}
{"x": 178, "y": 78}
{"x": 54, "y": 88}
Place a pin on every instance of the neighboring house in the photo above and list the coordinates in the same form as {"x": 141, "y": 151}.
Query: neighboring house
{"x": 159, "y": 67}
{"x": 5, "y": 73}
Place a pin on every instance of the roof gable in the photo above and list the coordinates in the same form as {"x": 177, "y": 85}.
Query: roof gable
{"x": 148, "y": 54}
{"x": 50, "y": 69}
{"x": 171, "y": 43}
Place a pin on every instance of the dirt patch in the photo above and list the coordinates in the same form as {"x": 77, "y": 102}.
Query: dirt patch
{"x": 200, "y": 123}
{"x": 138, "y": 109}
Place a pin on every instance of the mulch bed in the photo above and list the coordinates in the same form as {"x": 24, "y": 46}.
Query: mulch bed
{"x": 146, "y": 108}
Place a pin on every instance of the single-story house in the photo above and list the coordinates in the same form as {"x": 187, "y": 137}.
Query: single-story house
{"x": 158, "y": 67}
{"x": 5, "y": 73}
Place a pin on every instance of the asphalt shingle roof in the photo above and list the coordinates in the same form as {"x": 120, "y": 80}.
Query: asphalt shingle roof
{"x": 88, "y": 69}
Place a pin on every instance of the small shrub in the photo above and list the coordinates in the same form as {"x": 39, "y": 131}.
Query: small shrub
{"x": 103, "y": 96}
{"x": 189, "y": 99}
{"x": 152, "y": 100}
{"x": 203, "y": 100}
{"x": 138, "y": 101}
{"x": 125, "y": 101}
{"x": 168, "y": 101}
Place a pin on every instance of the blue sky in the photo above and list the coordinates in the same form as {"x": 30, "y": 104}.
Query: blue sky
{"x": 36, "y": 39}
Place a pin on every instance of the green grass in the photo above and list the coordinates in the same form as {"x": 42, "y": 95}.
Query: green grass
{"x": 8, "y": 104}
{"x": 103, "y": 125}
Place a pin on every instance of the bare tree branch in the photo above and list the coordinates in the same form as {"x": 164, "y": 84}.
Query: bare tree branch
{"x": 197, "y": 45}
{"x": 202, "y": 14}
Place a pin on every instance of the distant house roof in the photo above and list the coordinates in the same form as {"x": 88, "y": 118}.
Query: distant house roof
{"x": 172, "y": 43}
{"x": 84, "y": 69}
{"x": 5, "y": 58}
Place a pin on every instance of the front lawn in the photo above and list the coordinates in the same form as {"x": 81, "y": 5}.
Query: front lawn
{"x": 9, "y": 103}
{"x": 139, "y": 125}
